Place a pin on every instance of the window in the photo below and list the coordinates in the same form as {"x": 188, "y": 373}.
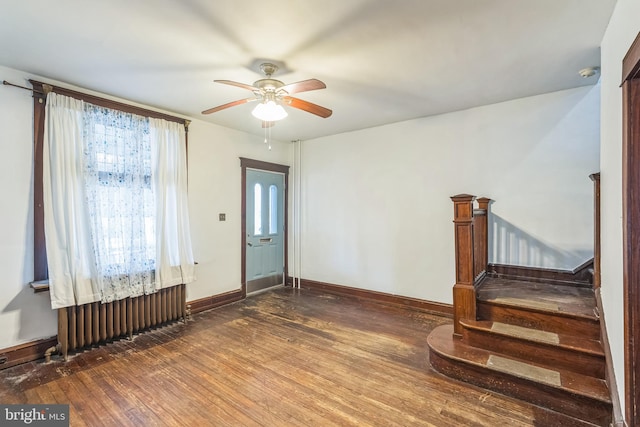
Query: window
{"x": 273, "y": 209}
{"x": 120, "y": 199}
{"x": 41, "y": 90}
{"x": 257, "y": 210}
{"x": 110, "y": 187}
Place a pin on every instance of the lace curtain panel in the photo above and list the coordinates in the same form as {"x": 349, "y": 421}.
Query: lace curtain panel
{"x": 115, "y": 203}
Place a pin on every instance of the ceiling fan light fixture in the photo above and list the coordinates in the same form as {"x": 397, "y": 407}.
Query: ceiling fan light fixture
{"x": 273, "y": 94}
{"x": 269, "y": 111}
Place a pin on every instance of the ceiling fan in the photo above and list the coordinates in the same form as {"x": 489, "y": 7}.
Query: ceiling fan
{"x": 273, "y": 94}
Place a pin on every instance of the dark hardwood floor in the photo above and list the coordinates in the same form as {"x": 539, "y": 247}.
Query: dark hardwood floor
{"x": 281, "y": 358}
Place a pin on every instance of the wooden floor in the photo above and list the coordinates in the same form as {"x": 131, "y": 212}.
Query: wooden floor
{"x": 282, "y": 358}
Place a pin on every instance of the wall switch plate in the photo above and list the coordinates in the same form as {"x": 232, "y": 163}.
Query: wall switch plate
{"x": 222, "y": 217}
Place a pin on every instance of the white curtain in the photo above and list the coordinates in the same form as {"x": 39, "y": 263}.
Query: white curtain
{"x": 174, "y": 261}
{"x": 65, "y": 218}
{"x": 116, "y": 216}
{"x": 120, "y": 201}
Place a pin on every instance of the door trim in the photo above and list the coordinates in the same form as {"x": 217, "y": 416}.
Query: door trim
{"x": 267, "y": 167}
{"x": 631, "y": 228}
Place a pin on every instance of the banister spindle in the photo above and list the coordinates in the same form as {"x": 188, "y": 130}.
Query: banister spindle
{"x": 482, "y": 222}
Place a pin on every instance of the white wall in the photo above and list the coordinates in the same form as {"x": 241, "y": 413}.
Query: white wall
{"x": 24, "y": 316}
{"x": 214, "y": 187}
{"x": 376, "y": 212}
{"x": 622, "y": 30}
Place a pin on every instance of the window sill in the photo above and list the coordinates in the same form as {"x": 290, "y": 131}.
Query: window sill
{"x": 40, "y": 286}
{"x": 43, "y": 285}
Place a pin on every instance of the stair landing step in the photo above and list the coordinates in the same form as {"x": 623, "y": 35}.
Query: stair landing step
{"x": 442, "y": 342}
{"x": 568, "y": 342}
{"x": 542, "y": 307}
{"x": 572, "y": 300}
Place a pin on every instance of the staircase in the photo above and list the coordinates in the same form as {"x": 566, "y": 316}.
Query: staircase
{"x": 534, "y": 338}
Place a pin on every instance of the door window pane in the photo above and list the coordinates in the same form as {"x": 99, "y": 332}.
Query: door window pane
{"x": 273, "y": 209}
{"x": 257, "y": 209}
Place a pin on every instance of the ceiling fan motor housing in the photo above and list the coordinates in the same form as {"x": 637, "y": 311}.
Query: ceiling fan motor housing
{"x": 268, "y": 69}
{"x": 268, "y": 85}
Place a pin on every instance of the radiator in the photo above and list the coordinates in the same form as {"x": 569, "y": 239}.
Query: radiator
{"x": 95, "y": 323}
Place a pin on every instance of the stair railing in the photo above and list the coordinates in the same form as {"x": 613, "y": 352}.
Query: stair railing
{"x": 595, "y": 177}
{"x": 471, "y": 245}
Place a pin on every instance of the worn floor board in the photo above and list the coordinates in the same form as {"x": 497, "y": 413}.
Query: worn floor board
{"x": 281, "y": 358}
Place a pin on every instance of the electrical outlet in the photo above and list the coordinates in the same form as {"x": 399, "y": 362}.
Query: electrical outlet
{"x": 222, "y": 217}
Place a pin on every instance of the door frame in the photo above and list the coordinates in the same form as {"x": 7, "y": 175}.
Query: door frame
{"x": 631, "y": 228}
{"x": 245, "y": 164}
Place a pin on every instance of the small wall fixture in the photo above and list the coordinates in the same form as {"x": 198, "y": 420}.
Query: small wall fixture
{"x": 589, "y": 72}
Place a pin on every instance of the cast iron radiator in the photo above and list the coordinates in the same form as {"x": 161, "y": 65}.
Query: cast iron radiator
{"x": 94, "y": 323}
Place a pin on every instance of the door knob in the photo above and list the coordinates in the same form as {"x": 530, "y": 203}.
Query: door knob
{"x": 249, "y": 244}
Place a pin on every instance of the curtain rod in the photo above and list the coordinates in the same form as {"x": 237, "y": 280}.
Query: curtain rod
{"x": 46, "y": 88}
{"x": 6, "y": 83}
{"x": 104, "y": 102}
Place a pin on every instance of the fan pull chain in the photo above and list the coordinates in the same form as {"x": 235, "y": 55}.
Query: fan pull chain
{"x": 267, "y": 134}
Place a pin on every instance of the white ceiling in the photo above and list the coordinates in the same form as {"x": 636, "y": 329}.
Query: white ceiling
{"x": 383, "y": 61}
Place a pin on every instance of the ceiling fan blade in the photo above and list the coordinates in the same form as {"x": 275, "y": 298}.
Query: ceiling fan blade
{"x": 307, "y": 106}
{"x": 303, "y": 86}
{"x": 237, "y": 84}
{"x": 266, "y": 124}
{"x": 227, "y": 105}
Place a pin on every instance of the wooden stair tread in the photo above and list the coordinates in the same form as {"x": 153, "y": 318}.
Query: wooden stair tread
{"x": 569, "y": 342}
{"x": 542, "y": 307}
{"x": 543, "y": 297}
{"x": 524, "y": 370}
{"x": 442, "y": 342}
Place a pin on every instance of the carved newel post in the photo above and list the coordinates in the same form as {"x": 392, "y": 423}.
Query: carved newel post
{"x": 464, "y": 296}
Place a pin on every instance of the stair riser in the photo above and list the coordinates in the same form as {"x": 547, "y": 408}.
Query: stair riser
{"x": 590, "y": 411}
{"x": 587, "y": 328}
{"x": 539, "y": 353}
